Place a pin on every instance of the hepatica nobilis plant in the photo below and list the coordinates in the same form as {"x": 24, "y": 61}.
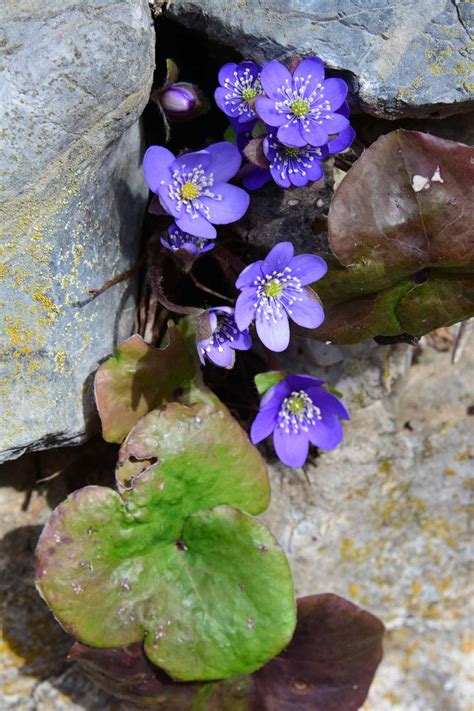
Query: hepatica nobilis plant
{"x": 170, "y": 578}
{"x": 301, "y": 118}
{"x": 177, "y": 595}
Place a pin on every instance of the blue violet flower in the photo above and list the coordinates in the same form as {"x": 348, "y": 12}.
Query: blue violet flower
{"x": 177, "y": 239}
{"x": 239, "y": 86}
{"x": 276, "y": 289}
{"x": 193, "y": 188}
{"x": 303, "y": 105}
{"x": 298, "y": 411}
{"x": 225, "y": 339}
{"x": 291, "y": 165}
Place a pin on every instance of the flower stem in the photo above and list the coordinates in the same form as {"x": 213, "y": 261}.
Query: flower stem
{"x": 203, "y": 287}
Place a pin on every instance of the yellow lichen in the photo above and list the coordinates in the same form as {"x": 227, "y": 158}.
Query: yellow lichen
{"x": 60, "y": 361}
{"x": 350, "y": 552}
{"x": 353, "y": 589}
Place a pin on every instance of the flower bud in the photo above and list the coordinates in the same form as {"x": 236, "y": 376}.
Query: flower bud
{"x": 177, "y": 100}
{"x": 183, "y": 102}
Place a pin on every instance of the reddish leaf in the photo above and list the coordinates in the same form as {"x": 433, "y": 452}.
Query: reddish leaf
{"x": 400, "y": 225}
{"x": 407, "y": 204}
{"x": 253, "y": 151}
{"x": 137, "y": 379}
{"x": 328, "y": 666}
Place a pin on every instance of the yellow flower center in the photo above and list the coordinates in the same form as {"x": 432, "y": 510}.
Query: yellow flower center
{"x": 189, "y": 191}
{"x": 291, "y": 152}
{"x": 273, "y": 289}
{"x": 300, "y": 107}
{"x": 249, "y": 93}
{"x": 296, "y": 404}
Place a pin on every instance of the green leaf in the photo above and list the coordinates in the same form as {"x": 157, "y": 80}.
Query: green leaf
{"x": 201, "y": 453}
{"x": 332, "y": 390}
{"x": 169, "y": 560}
{"x": 139, "y": 378}
{"x": 259, "y": 130}
{"x": 399, "y": 224}
{"x": 265, "y": 381}
{"x": 230, "y": 136}
{"x": 172, "y": 72}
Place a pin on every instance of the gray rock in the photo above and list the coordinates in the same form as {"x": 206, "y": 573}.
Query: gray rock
{"x": 76, "y": 78}
{"x": 402, "y": 57}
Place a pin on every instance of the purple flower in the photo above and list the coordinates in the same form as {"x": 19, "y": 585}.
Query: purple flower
{"x": 239, "y": 85}
{"x": 303, "y": 105}
{"x": 193, "y": 188}
{"x": 291, "y": 165}
{"x": 344, "y": 139}
{"x": 275, "y": 289}
{"x": 253, "y": 176}
{"x": 177, "y": 239}
{"x": 298, "y": 411}
{"x": 225, "y": 338}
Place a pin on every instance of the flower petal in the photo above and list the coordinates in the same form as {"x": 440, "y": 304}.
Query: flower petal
{"x": 335, "y": 91}
{"x": 302, "y": 382}
{"x": 232, "y": 205}
{"x": 223, "y": 356}
{"x": 333, "y": 122}
{"x": 242, "y": 341}
{"x": 342, "y": 141}
{"x": 298, "y": 179}
{"x": 168, "y": 204}
{"x": 225, "y": 161}
{"x": 310, "y": 72}
{"x": 228, "y": 106}
{"x": 157, "y": 162}
{"x": 190, "y": 247}
{"x": 265, "y": 108}
{"x": 196, "y": 225}
{"x": 316, "y": 135}
{"x": 275, "y": 395}
{"x": 245, "y": 308}
{"x": 274, "y": 75}
{"x": 308, "y": 268}
{"x": 274, "y": 335}
{"x": 227, "y": 72}
{"x": 248, "y": 275}
{"x": 316, "y": 172}
{"x": 291, "y": 448}
{"x": 278, "y": 258}
{"x": 344, "y": 110}
{"x": 281, "y": 178}
{"x": 263, "y": 425}
{"x": 328, "y": 403}
{"x": 207, "y": 248}
{"x": 291, "y": 134}
{"x": 190, "y": 161}
{"x": 250, "y": 69}
{"x": 256, "y": 178}
{"x": 308, "y": 312}
{"x": 327, "y": 433}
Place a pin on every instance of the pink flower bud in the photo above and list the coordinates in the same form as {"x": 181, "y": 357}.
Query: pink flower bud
{"x": 177, "y": 101}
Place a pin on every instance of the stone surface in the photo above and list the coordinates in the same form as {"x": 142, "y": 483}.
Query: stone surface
{"x": 402, "y": 58}
{"x": 34, "y": 673}
{"x": 76, "y": 78}
{"x": 384, "y": 520}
